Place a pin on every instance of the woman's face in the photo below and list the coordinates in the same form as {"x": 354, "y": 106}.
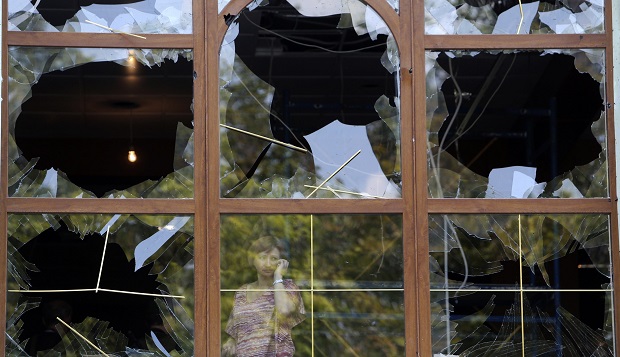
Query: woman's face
{"x": 266, "y": 262}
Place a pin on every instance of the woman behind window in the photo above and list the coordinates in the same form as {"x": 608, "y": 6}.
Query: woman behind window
{"x": 265, "y": 311}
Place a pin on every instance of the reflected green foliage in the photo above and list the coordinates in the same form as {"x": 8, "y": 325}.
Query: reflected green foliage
{"x": 481, "y": 242}
{"x": 360, "y": 252}
{"x": 252, "y": 99}
{"x": 13, "y": 347}
{"x": 359, "y": 324}
{"x": 238, "y": 232}
{"x": 365, "y": 253}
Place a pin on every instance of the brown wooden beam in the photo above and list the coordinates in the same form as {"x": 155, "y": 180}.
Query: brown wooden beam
{"x": 308, "y": 206}
{"x": 523, "y": 42}
{"x": 97, "y": 40}
{"x": 99, "y": 205}
{"x": 523, "y": 206}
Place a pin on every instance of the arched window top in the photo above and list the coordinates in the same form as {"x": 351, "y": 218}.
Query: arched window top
{"x": 309, "y": 103}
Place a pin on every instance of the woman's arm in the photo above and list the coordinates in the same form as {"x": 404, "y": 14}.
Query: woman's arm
{"x": 285, "y": 304}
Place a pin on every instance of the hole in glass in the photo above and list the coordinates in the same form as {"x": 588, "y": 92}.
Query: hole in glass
{"x": 65, "y": 261}
{"x": 526, "y": 117}
{"x": 58, "y": 12}
{"x": 310, "y": 77}
{"x": 82, "y": 121}
{"x": 513, "y": 284}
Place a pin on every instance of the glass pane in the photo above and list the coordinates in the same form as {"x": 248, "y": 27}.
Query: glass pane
{"x": 121, "y": 16}
{"x": 345, "y": 295}
{"x": 522, "y": 124}
{"x": 471, "y": 17}
{"x": 91, "y": 284}
{"x": 331, "y": 6}
{"x": 309, "y": 104}
{"x": 359, "y": 323}
{"x": 75, "y": 114}
{"x": 501, "y": 284}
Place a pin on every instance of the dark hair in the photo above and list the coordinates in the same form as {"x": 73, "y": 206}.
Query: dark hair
{"x": 266, "y": 243}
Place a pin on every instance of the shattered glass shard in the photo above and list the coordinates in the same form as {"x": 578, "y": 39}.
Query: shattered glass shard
{"x": 267, "y": 103}
{"x": 471, "y": 17}
{"x": 514, "y": 284}
{"x": 122, "y": 313}
{"x": 543, "y": 108}
{"x": 107, "y": 94}
{"x": 128, "y": 16}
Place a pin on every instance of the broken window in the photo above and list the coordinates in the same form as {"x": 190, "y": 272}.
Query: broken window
{"x": 317, "y": 7}
{"x": 348, "y": 270}
{"x": 120, "y": 16}
{"x": 470, "y": 17}
{"x": 513, "y": 284}
{"x": 309, "y": 103}
{"x": 114, "y": 284}
{"x": 100, "y": 123}
{"x": 516, "y": 124}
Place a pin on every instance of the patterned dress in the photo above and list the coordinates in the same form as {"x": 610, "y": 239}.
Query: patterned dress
{"x": 259, "y": 330}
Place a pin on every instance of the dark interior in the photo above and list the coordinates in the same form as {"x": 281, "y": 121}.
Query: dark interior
{"x": 57, "y": 12}
{"x": 321, "y": 71}
{"x": 82, "y": 121}
{"x": 536, "y": 111}
{"x": 66, "y": 261}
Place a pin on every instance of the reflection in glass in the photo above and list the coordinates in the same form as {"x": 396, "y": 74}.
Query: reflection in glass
{"x": 535, "y": 323}
{"x": 497, "y": 275}
{"x": 124, "y": 282}
{"x": 359, "y": 323}
{"x": 303, "y": 6}
{"x": 471, "y": 17}
{"x": 265, "y": 311}
{"x": 124, "y": 16}
{"x": 74, "y": 113}
{"x": 522, "y": 124}
{"x": 348, "y": 269}
{"x": 309, "y": 103}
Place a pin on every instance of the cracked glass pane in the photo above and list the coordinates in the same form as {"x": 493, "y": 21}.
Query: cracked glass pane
{"x": 471, "y": 17}
{"x": 77, "y": 114}
{"x": 522, "y": 124}
{"x": 104, "y": 16}
{"x": 347, "y": 294}
{"x": 294, "y": 83}
{"x": 117, "y": 284}
{"x": 313, "y": 8}
{"x": 503, "y": 284}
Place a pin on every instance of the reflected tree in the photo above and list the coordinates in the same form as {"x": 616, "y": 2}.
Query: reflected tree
{"x": 352, "y": 277}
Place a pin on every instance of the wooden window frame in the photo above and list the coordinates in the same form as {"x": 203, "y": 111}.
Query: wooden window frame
{"x": 207, "y": 206}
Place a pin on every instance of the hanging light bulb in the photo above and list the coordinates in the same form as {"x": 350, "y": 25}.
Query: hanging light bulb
{"x": 131, "y": 155}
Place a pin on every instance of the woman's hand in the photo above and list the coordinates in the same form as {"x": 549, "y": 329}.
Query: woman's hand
{"x": 229, "y": 348}
{"x": 285, "y": 305}
{"x": 281, "y": 268}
